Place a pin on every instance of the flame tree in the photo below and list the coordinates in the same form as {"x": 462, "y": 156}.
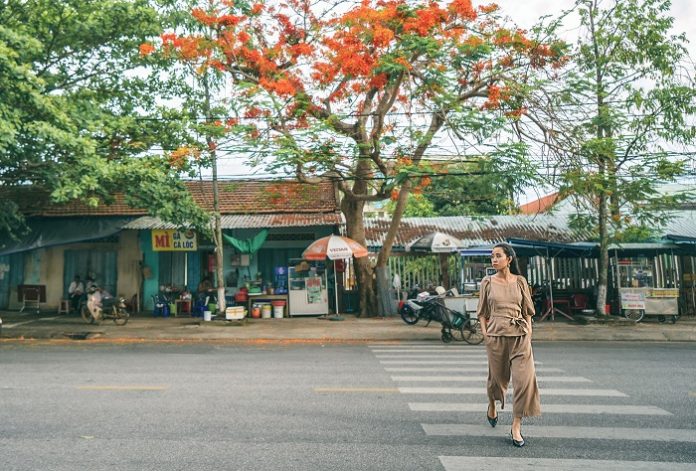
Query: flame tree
{"x": 360, "y": 92}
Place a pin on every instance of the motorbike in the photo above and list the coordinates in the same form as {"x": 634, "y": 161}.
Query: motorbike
{"x": 98, "y": 307}
{"x": 455, "y": 325}
{"x": 420, "y": 306}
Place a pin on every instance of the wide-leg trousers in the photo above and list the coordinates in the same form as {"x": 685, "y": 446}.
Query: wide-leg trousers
{"x": 512, "y": 356}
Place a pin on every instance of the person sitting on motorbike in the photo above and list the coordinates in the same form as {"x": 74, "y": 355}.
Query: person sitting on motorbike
{"x": 98, "y": 299}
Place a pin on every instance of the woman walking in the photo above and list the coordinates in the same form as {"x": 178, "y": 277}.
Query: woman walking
{"x": 505, "y": 313}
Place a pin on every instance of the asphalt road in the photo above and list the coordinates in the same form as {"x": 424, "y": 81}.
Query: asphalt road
{"x": 340, "y": 407}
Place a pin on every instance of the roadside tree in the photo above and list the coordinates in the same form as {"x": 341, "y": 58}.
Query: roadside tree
{"x": 617, "y": 122}
{"x": 360, "y": 92}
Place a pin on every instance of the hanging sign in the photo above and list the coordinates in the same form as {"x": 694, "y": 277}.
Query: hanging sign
{"x": 171, "y": 240}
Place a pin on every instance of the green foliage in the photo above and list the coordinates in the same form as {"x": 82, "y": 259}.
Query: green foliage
{"x": 627, "y": 99}
{"x": 78, "y": 113}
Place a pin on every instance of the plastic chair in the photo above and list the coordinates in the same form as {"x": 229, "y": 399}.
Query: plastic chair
{"x": 64, "y": 306}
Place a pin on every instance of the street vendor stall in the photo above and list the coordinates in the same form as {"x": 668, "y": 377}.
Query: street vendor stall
{"x": 647, "y": 279}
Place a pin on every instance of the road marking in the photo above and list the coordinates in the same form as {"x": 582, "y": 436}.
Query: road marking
{"x": 537, "y": 431}
{"x": 356, "y": 390}
{"x": 421, "y": 345}
{"x": 452, "y": 369}
{"x": 542, "y": 391}
{"x": 598, "y": 409}
{"x": 692, "y": 393}
{"x": 548, "y": 379}
{"x": 17, "y": 324}
{"x": 431, "y": 350}
{"x": 107, "y": 387}
{"x": 49, "y": 318}
{"x": 468, "y": 356}
{"x": 434, "y": 362}
{"x": 494, "y": 463}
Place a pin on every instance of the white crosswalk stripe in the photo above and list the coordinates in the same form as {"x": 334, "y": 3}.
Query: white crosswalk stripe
{"x": 431, "y": 350}
{"x": 594, "y": 409}
{"x": 434, "y": 362}
{"x": 586, "y": 433}
{"x": 437, "y": 355}
{"x": 454, "y": 369}
{"x": 542, "y": 391}
{"x": 449, "y": 379}
{"x": 494, "y": 463}
{"x": 435, "y": 370}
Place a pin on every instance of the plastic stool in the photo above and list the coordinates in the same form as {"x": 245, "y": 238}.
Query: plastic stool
{"x": 64, "y": 307}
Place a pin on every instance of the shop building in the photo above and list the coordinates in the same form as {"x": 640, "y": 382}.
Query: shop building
{"x": 135, "y": 255}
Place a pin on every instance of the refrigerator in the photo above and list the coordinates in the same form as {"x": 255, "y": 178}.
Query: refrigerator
{"x": 307, "y": 289}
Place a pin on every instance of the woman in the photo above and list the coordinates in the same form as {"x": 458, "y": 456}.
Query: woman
{"x": 505, "y": 313}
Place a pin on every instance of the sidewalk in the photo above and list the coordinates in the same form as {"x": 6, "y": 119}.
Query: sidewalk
{"x": 18, "y": 327}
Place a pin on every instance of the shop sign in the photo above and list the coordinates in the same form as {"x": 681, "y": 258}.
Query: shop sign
{"x": 171, "y": 240}
{"x": 632, "y": 300}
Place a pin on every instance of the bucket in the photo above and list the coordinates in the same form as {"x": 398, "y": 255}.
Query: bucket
{"x": 266, "y": 311}
{"x": 256, "y": 311}
{"x": 278, "y": 309}
{"x": 207, "y": 316}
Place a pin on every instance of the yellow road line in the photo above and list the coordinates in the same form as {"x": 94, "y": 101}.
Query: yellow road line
{"x": 121, "y": 388}
{"x": 356, "y": 390}
{"x": 692, "y": 393}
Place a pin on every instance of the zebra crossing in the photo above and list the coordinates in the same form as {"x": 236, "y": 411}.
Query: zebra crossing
{"x": 459, "y": 373}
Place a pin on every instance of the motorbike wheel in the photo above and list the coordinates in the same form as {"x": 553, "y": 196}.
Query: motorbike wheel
{"x": 634, "y": 314}
{"x": 408, "y": 315}
{"x": 471, "y": 332}
{"x": 447, "y": 336}
{"x": 121, "y": 316}
{"x": 86, "y": 315}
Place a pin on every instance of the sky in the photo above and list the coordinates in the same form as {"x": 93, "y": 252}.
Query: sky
{"x": 526, "y": 13}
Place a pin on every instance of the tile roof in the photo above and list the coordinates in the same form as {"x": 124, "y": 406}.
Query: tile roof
{"x": 478, "y": 230}
{"x": 540, "y": 205}
{"x": 236, "y": 197}
{"x": 251, "y": 221}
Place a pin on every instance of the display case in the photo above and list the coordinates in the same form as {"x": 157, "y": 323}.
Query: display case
{"x": 307, "y": 294}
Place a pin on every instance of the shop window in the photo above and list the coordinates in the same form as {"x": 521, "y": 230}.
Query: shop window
{"x": 172, "y": 269}
{"x": 98, "y": 264}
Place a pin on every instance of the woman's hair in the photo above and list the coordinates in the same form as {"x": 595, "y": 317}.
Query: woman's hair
{"x": 510, "y": 252}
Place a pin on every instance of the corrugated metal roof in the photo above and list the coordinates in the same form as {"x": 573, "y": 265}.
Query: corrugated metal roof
{"x": 251, "y": 221}
{"x": 478, "y": 230}
{"x": 683, "y": 224}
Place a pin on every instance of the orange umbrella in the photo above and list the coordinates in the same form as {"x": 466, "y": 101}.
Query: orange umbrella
{"x": 334, "y": 248}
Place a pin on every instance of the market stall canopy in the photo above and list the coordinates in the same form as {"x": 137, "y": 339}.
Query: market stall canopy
{"x": 554, "y": 249}
{"x": 249, "y": 246}
{"x": 48, "y": 232}
{"x": 435, "y": 242}
{"x": 334, "y": 247}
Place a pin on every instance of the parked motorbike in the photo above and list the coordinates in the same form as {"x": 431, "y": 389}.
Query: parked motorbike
{"x": 98, "y": 307}
{"x": 422, "y": 306}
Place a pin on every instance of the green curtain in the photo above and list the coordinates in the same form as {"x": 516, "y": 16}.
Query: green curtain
{"x": 249, "y": 246}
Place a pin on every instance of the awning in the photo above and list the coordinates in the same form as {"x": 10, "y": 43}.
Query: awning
{"x": 554, "y": 249}
{"x": 47, "y": 232}
{"x": 530, "y": 248}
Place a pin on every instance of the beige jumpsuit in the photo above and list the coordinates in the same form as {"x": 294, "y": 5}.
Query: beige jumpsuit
{"x": 508, "y": 308}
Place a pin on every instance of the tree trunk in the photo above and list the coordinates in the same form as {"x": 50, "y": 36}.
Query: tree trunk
{"x": 355, "y": 228}
{"x": 603, "y": 281}
{"x": 217, "y": 224}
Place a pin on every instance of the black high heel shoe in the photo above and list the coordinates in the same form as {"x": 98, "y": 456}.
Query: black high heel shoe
{"x": 493, "y": 421}
{"x": 518, "y": 444}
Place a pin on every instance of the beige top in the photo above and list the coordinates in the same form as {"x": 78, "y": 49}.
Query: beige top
{"x": 507, "y": 307}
